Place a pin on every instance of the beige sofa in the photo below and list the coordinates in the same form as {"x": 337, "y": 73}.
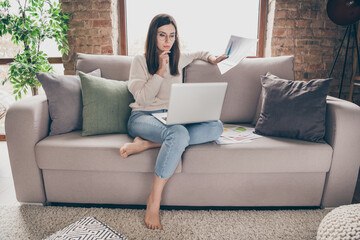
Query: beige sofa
{"x": 269, "y": 171}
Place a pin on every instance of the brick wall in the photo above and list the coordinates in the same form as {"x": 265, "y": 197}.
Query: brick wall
{"x": 91, "y": 29}
{"x": 303, "y": 29}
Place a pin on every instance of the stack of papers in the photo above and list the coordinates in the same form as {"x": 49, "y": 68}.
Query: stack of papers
{"x": 237, "y": 134}
{"x": 237, "y": 49}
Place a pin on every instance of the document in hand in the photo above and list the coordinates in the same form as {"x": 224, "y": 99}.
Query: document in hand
{"x": 237, "y": 49}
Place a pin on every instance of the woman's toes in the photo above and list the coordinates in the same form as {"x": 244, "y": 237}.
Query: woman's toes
{"x": 123, "y": 153}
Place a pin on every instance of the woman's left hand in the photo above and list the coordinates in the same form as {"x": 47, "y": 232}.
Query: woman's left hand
{"x": 217, "y": 59}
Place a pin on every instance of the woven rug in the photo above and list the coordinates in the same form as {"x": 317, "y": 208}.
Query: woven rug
{"x": 38, "y": 222}
{"x": 87, "y": 229}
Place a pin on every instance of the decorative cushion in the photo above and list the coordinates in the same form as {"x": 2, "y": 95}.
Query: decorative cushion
{"x": 242, "y": 94}
{"x": 341, "y": 223}
{"x": 106, "y": 105}
{"x": 65, "y": 102}
{"x": 293, "y": 109}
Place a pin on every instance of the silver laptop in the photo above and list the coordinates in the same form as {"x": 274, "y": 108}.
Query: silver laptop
{"x": 193, "y": 103}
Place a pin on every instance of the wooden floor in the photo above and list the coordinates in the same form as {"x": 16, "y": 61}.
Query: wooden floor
{"x": 7, "y": 191}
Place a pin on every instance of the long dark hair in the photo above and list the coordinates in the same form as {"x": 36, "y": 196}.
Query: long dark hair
{"x": 151, "y": 52}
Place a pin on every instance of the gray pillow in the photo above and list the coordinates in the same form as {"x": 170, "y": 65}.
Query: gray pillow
{"x": 65, "y": 100}
{"x": 293, "y": 109}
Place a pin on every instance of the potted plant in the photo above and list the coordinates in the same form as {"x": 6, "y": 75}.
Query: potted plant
{"x": 36, "y": 21}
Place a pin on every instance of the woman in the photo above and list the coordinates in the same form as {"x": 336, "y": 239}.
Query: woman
{"x": 151, "y": 76}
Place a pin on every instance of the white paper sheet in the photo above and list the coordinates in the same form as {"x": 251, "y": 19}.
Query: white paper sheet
{"x": 237, "y": 134}
{"x": 237, "y": 49}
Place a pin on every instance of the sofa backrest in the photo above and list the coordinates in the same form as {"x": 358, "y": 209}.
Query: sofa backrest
{"x": 244, "y": 86}
{"x": 114, "y": 67}
{"x": 242, "y": 96}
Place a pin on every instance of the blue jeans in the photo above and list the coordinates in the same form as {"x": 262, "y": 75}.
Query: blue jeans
{"x": 174, "y": 138}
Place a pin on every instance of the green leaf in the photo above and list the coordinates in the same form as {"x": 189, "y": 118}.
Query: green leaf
{"x": 43, "y": 20}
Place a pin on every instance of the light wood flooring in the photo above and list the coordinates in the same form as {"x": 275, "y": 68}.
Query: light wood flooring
{"x": 7, "y": 191}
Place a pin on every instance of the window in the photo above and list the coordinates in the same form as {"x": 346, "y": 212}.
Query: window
{"x": 202, "y": 24}
{"x": 8, "y": 50}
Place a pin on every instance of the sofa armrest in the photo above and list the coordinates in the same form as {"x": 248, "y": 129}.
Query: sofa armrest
{"x": 343, "y": 134}
{"x": 26, "y": 123}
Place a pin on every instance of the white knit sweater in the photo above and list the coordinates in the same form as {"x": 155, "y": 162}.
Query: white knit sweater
{"x": 151, "y": 92}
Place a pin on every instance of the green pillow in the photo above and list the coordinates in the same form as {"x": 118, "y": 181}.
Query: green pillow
{"x": 105, "y": 105}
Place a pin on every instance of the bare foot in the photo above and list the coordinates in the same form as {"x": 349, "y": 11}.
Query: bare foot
{"x": 138, "y": 145}
{"x": 152, "y": 219}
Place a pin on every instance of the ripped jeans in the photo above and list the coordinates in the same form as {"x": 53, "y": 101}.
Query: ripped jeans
{"x": 174, "y": 138}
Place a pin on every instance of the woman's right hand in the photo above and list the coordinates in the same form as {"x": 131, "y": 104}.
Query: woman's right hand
{"x": 163, "y": 62}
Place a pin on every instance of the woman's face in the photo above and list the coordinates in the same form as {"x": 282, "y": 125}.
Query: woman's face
{"x": 166, "y": 36}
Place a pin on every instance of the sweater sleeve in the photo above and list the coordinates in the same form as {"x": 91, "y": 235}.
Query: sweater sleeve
{"x": 143, "y": 89}
{"x": 189, "y": 57}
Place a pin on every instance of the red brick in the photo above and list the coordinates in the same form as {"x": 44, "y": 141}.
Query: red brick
{"x": 286, "y": 51}
{"x": 309, "y": 14}
{"x": 302, "y": 33}
{"x": 105, "y": 15}
{"x": 67, "y": 7}
{"x": 324, "y": 33}
{"x": 97, "y": 49}
{"x": 106, "y": 50}
{"x": 101, "y": 5}
{"x": 312, "y": 59}
{"x": 82, "y": 6}
{"x": 285, "y": 23}
{"x": 317, "y": 24}
{"x": 105, "y": 40}
{"x": 93, "y": 40}
{"x": 302, "y": 23}
{"x": 314, "y": 67}
{"x": 103, "y": 32}
{"x": 283, "y": 42}
{"x": 102, "y": 23}
{"x": 76, "y": 24}
{"x": 279, "y": 32}
{"x": 306, "y": 42}
{"x": 86, "y": 15}
{"x": 281, "y": 14}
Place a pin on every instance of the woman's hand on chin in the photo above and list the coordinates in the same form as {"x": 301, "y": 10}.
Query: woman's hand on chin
{"x": 216, "y": 59}
{"x": 163, "y": 62}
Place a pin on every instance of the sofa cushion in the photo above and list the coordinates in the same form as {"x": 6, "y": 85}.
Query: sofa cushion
{"x": 106, "y": 105}
{"x": 293, "y": 109}
{"x": 244, "y": 87}
{"x": 263, "y": 155}
{"x": 71, "y": 151}
{"x": 115, "y": 67}
{"x": 65, "y": 101}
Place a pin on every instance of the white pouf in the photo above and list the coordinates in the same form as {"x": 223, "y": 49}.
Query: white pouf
{"x": 341, "y": 223}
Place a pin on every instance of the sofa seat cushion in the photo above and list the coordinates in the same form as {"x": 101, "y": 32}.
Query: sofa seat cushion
{"x": 262, "y": 155}
{"x": 71, "y": 151}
